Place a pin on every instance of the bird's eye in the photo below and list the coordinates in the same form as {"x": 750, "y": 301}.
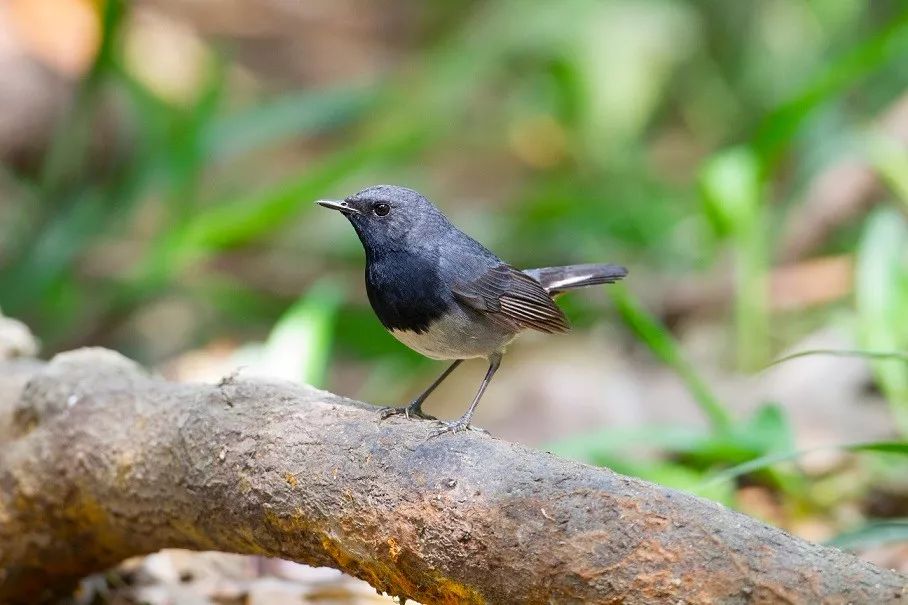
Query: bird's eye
{"x": 381, "y": 209}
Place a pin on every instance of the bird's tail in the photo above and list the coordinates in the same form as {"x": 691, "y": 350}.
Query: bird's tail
{"x": 559, "y": 279}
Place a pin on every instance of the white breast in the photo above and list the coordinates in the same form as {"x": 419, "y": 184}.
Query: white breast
{"x": 457, "y": 336}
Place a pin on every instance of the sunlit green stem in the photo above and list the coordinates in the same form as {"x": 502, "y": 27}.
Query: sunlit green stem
{"x": 656, "y": 336}
{"x": 751, "y": 297}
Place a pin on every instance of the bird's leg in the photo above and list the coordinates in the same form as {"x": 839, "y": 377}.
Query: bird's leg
{"x": 463, "y": 423}
{"x": 415, "y": 407}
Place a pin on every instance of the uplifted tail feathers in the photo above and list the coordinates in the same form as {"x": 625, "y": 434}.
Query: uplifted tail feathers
{"x": 559, "y": 279}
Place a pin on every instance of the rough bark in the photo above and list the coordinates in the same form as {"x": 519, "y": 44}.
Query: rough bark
{"x": 101, "y": 462}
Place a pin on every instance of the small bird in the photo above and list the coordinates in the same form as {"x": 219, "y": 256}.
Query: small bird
{"x": 444, "y": 295}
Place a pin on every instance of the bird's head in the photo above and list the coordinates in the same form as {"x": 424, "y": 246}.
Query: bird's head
{"x": 388, "y": 217}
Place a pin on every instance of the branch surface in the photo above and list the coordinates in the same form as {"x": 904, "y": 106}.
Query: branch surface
{"x": 101, "y": 462}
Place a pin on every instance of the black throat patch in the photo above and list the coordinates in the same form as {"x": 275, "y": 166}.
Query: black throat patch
{"x": 406, "y": 292}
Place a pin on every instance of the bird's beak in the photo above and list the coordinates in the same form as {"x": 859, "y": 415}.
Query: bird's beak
{"x": 339, "y": 205}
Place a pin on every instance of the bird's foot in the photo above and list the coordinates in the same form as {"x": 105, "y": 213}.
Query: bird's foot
{"x": 461, "y": 424}
{"x": 410, "y": 411}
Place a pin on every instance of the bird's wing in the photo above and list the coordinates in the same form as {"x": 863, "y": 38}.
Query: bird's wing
{"x": 513, "y": 297}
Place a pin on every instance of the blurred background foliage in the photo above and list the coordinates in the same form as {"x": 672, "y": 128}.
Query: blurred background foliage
{"x": 748, "y": 161}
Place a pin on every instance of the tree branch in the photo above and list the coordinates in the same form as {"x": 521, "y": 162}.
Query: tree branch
{"x": 102, "y": 462}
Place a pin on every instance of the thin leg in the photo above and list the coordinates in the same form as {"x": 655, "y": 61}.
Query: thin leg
{"x": 463, "y": 423}
{"x": 415, "y": 407}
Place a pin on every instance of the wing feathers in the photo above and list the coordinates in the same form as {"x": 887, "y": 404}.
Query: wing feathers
{"x": 524, "y": 299}
{"x": 513, "y": 297}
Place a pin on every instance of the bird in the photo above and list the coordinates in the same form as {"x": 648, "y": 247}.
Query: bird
{"x": 443, "y": 294}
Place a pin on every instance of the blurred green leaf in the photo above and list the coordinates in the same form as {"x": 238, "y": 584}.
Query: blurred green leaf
{"x": 298, "y": 347}
{"x": 764, "y": 462}
{"x": 598, "y": 446}
{"x": 664, "y": 347}
{"x": 237, "y": 222}
{"x": 889, "y": 43}
{"x": 874, "y": 533}
{"x": 670, "y": 474}
{"x": 285, "y": 118}
{"x": 240, "y": 221}
{"x": 685, "y": 478}
{"x": 769, "y": 430}
{"x": 625, "y": 53}
{"x": 891, "y": 161}
{"x": 731, "y": 186}
{"x": 766, "y": 435}
{"x": 72, "y": 135}
{"x": 881, "y": 292}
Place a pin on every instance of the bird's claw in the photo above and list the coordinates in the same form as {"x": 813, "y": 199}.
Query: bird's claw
{"x": 455, "y": 427}
{"x": 409, "y": 411}
{"x": 388, "y": 411}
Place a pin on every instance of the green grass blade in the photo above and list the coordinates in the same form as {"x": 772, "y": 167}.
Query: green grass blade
{"x": 896, "y": 355}
{"x": 243, "y": 220}
{"x": 732, "y": 188}
{"x": 763, "y": 462}
{"x": 874, "y": 533}
{"x": 293, "y": 115}
{"x": 882, "y": 303}
{"x": 299, "y": 345}
{"x": 664, "y": 347}
{"x": 779, "y": 126}
{"x": 68, "y": 148}
{"x": 891, "y": 162}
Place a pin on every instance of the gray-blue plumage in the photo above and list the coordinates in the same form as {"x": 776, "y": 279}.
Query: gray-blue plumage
{"x": 444, "y": 294}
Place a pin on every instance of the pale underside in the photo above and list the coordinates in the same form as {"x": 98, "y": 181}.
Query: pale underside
{"x": 458, "y": 335}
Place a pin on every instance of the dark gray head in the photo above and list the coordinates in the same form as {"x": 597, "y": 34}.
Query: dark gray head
{"x": 387, "y": 217}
